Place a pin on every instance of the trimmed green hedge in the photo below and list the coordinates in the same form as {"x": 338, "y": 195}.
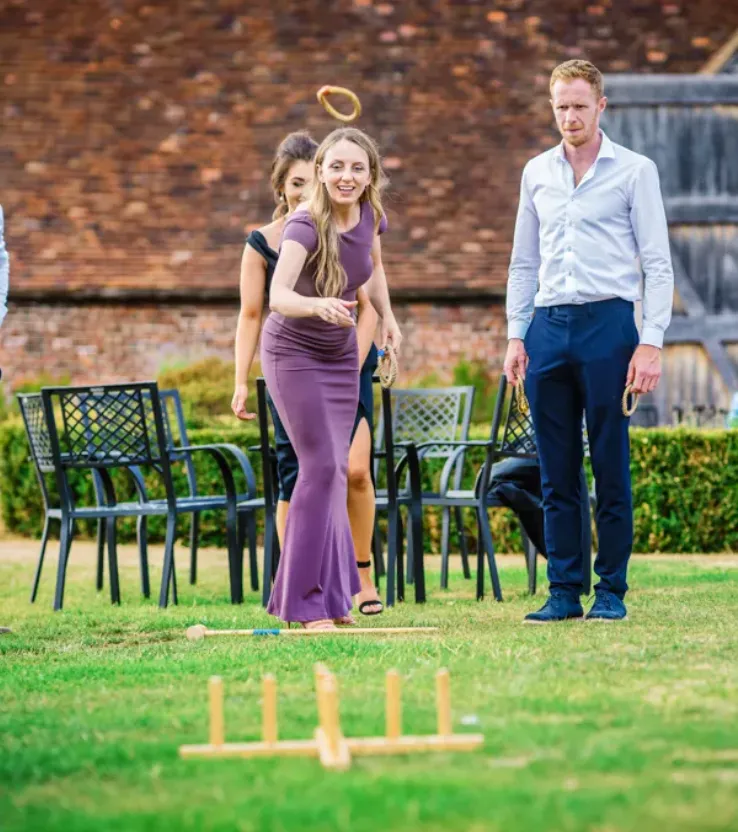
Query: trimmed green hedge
{"x": 685, "y": 490}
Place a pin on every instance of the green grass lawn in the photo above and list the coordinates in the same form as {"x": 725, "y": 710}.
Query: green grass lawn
{"x": 587, "y": 726}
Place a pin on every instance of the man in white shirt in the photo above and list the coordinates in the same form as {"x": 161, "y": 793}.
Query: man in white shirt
{"x": 590, "y": 225}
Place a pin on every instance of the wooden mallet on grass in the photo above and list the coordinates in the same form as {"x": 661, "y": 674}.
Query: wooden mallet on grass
{"x": 199, "y": 631}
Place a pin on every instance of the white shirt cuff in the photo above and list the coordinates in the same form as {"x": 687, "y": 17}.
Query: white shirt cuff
{"x": 652, "y": 336}
{"x": 517, "y": 329}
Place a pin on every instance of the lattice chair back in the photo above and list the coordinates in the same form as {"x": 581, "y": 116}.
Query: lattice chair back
{"x": 175, "y": 427}
{"x": 422, "y": 415}
{"x": 106, "y": 426}
{"x": 175, "y": 431}
{"x": 518, "y": 437}
{"x": 32, "y": 411}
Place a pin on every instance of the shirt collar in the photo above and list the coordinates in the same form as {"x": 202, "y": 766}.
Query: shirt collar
{"x": 606, "y": 151}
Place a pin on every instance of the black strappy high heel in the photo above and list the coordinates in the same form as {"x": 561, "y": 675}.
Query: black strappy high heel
{"x": 366, "y": 564}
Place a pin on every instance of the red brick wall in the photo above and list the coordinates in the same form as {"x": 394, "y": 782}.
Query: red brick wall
{"x": 111, "y": 343}
{"x": 136, "y": 136}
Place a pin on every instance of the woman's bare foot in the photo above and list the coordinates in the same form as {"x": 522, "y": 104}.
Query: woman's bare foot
{"x": 368, "y": 598}
{"x": 345, "y": 621}
{"x": 321, "y": 624}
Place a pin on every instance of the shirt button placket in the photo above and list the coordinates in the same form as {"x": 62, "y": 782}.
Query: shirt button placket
{"x": 571, "y": 286}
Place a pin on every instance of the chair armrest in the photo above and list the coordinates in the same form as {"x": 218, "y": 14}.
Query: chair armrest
{"x": 216, "y": 452}
{"x": 456, "y": 443}
{"x": 243, "y": 461}
{"x": 412, "y": 461}
{"x": 449, "y": 467}
{"x": 420, "y": 450}
{"x": 138, "y": 482}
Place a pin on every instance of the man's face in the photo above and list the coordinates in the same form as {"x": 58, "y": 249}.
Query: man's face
{"x": 577, "y": 110}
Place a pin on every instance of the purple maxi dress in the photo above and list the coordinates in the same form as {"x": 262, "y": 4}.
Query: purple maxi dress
{"x": 311, "y": 368}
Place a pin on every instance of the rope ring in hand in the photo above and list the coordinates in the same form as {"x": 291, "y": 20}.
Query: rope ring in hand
{"x": 523, "y": 405}
{"x": 387, "y": 366}
{"x": 629, "y": 411}
{"x": 325, "y": 91}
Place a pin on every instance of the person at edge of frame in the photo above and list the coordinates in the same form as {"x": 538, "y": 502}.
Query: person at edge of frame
{"x": 4, "y": 279}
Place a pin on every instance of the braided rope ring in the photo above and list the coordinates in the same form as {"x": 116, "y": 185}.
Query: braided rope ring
{"x": 387, "y": 366}
{"x": 325, "y": 91}
{"x": 629, "y": 411}
{"x": 523, "y": 405}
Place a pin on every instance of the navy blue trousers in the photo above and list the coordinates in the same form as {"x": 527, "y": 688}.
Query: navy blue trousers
{"x": 579, "y": 356}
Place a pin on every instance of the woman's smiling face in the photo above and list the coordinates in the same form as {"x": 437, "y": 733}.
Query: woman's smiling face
{"x": 345, "y": 172}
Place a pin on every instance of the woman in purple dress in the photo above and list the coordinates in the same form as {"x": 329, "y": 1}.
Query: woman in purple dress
{"x": 310, "y": 361}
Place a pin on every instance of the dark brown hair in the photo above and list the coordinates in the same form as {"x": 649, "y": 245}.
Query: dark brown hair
{"x": 295, "y": 147}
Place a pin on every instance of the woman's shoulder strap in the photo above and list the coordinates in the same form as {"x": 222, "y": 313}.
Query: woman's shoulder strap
{"x": 259, "y": 242}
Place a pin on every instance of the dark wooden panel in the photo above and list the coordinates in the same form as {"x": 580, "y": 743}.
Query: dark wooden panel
{"x": 694, "y": 329}
{"x": 684, "y": 90}
{"x": 699, "y": 209}
{"x": 693, "y": 148}
{"x": 708, "y": 255}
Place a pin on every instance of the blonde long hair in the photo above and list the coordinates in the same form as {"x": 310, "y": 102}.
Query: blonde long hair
{"x": 330, "y": 276}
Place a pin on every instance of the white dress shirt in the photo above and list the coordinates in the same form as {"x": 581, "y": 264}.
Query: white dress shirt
{"x": 4, "y": 271}
{"x": 591, "y": 242}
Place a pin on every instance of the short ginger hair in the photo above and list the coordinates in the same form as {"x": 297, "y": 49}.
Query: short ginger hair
{"x": 571, "y": 70}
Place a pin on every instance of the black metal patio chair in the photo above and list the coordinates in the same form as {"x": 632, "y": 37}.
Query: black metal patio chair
{"x": 270, "y": 488}
{"x": 32, "y": 412}
{"x": 511, "y": 436}
{"x": 391, "y": 499}
{"x": 114, "y": 426}
{"x": 247, "y": 503}
{"x": 419, "y": 417}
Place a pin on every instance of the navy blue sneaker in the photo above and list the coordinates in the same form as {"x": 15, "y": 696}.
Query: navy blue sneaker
{"x": 607, "y": 607}
{"x": 561, "y": 605}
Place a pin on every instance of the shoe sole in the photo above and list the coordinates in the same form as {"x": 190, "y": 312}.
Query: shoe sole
{"x": 608, "y": 620}
{"x": 554, "y": 621}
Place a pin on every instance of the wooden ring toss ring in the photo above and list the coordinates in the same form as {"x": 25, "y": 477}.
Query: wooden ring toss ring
{"x": 325, "y": 91}
{"x": 387, "y": 366}
{"x": 629, "y": 411}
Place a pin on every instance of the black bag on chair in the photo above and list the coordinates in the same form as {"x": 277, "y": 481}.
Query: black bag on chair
{"x": 516, "y": 484}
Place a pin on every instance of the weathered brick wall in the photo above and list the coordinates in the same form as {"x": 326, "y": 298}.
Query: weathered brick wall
{"x": 136, "y": 134}
{"x": 106, "y": 343}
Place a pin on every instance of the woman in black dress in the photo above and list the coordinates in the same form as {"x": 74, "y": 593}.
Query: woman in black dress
{"x": 291, "y": 179}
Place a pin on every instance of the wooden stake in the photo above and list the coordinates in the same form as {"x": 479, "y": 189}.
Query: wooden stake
{"x": 393, "y": 705}
{"x": 331, "y": 724}
{"x": 443, "y": 703}
{"x": 320, "y": 671}
{"x": 217, "y": 730}
{"x": 332, "y": 747}
{"x": 269, "y": 709}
